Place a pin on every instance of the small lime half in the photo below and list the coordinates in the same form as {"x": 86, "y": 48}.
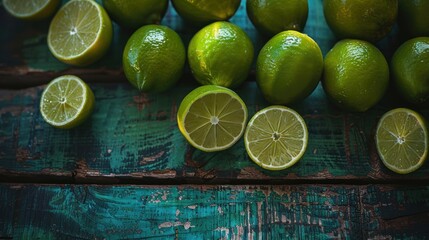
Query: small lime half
{"x": 66, "y": 102}
{"x": 402, "y": 140}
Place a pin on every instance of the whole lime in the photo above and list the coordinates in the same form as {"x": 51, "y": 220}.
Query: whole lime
{"x": 154, "y": 58}
{"x": 220, "y": 54}
{"x": 356, "y": 75}
{"x": 136, "y": 13}
{"x": 361, "y": 19}
{"x": 410, "y": 70}
{"x": 274, "y": 16}
{"x": 289, "y": 67}
{"x": 413, "y": 17}
{"x": 203, "y": 12}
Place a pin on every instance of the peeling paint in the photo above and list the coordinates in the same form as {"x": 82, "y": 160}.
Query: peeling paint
{"x": 186, "y": 225}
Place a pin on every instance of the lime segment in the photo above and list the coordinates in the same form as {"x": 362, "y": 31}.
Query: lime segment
{"x": 276, "y": 137}
{"x": 212, "y": 118}
{"x": 80, "y": 33}
{"x": 31, "y": 9}
{"x": 402, "y": 140}
{"x": 66, "y": 102}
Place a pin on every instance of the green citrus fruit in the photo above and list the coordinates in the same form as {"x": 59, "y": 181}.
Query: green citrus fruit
{"x": 276, "y": 137}
{"x": 361, "y": 19}
{"x": 410, "y": 70}
{"x": 203, "y": 12}
{"x": 80, "y": 39}
{"x": 289, "y": 67}
{"x": 220, "y": 54}
{"x": 356, "y": 75}
{"x": 66, "y": 102}
{"x": 136, "y": 13}
{"x": 402, "y": 140}
{"x": 274, "y": 16}
{"x": 413, "y": 17}
{"x": 212, "y": 118}
{"x": 154, "y": 58}
{"x": 31, "y": 9}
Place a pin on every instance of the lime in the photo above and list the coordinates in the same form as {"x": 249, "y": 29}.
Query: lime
{"x": 31, "y": 9}
{"x": 363, "y": 19}
{"x": 274, "y": 16}
{"x": 289, "y": 67}
{"x": 220, "y": 54}
{"x": 356, "y": 75}
{"x": 402, "y": 140}
{"x": 276, "y": 137}
{"x": 80, "y": 38}
{"x": 136, "y": 13}
{"x": 413, "y": 18}
{"x": 154, "y": 58}
{"x": 212, "y": 118}
{"x": 410, "y": 70}
{"x": 66, "y": 102}
{"x": 203, "y": 12}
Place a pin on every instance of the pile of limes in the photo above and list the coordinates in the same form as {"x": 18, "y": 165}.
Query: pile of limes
{"x": 355, "y": 74}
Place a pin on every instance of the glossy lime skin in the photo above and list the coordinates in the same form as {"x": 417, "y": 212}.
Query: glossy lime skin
{"x": 203, "y": 12}
{"x": 356, "y": 75}
{"x": 154, "y": 58}
{"x": 413, "y": 18}
{"x": 220, "y": 54}
{"x": 136, "y": 13}
{"x": 289, "y": 67}
{"x": 274, "y": 16}
{"x": 410, "y": 70}
{"x": 368, "y": 20}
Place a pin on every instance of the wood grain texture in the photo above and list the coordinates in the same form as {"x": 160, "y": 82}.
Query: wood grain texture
{"x": 134, "y": 137}
{"x": 25, "y": 59}
{"x": 217, "y": 212}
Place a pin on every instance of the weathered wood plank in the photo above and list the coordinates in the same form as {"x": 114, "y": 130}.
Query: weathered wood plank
{"x": 7, "y": 205}
{"x": 185, "y": 212}
{"x": 25, "y": 59}
{"x": 218, "y": 212}
{"x": 395, "y": 212}
{"x": 134, "y": 137}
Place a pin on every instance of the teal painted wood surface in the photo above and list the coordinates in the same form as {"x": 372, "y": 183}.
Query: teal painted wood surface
{"x": 216, "y": 212}
{"x": 26, "y": 60}
{"x": 134, "y": 136}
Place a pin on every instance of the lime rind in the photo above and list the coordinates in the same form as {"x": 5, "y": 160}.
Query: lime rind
{"x": 399, "y": 142}
{"x": 265, "y": 129}
{"x": 224, "y": 125}
{"x": 80, "y": 110}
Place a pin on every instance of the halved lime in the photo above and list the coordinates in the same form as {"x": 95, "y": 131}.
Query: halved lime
{"x": 276, "y": 137}
{"x": 80, "y": 33}
{"x": 31, "y": 9}
{"x": 66, "y": 102}
{"x": 402, "y": 140}
{"x": 212, "y": 118}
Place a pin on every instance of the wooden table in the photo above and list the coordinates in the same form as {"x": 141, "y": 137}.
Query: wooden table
{"x": 128, "y": 173}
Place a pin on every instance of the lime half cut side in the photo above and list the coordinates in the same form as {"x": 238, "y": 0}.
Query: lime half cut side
{"x": 80, "y": 33}
{"x": 31, "y": 9}
{"x": 66, "y": 102}
{"x": 212, "y": 118}
{"x": 276, "y": 137}
{"x": 402, "y": 140}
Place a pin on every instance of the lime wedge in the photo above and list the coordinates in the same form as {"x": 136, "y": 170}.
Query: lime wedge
{"x": 80, "y": 33}
{"x": 66, "y": 102}
{"x": 31, "y": 9}
{"x": 276, "y": 137}
{"x": 402, "y": 140}
{"x": 212, "y": 118}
